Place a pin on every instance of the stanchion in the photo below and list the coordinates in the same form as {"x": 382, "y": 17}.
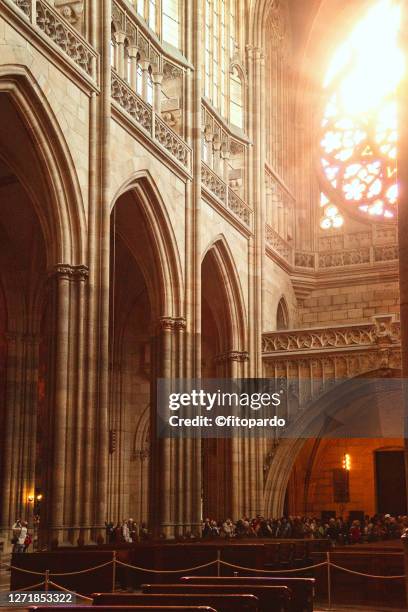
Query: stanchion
{"x": 114, "y": 571}
{"x": 328, "y": 580}
{"x": 47, "y": 580}
{"x": 218, "y": 562}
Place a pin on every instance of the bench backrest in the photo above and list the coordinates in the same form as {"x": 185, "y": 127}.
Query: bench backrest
{"x": 222, "y": 603}
{"x": 271, "y": 598}
{"x": 302, "y": 588}
{"x": 125, "y": 608}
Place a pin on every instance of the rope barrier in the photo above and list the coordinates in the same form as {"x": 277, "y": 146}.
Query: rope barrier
{"x": 286, "y": 571}
{"x": 24, "y": 571}
{"x": 58, "y": 586}
{"x": 349, "y": 571}
{"x": 32, "y": 586}
{"x": 84, "y": 571}
{"x": 177, "y": 571}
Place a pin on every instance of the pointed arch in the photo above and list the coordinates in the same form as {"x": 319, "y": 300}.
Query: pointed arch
{"x": 223, "y": 259}
{"x": 282, "y": 314}
{"x": 315, "y": 421}
{"x": 55, "y": 192}
{"x": 167, "y": 283}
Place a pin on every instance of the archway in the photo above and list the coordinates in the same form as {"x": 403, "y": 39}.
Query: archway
{"x": 353, "y": 418}
{"x": 145, "y": 339}
{"x": 41, "y": 223}
{"x": 223, "y": 340}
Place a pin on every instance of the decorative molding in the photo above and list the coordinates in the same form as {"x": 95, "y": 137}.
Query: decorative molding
{"x": 70, "y": 272}
{"x": 171, "y": 323}
{"x": 344, "y": 258}
{"x": 304, "y": 259}
{"x": 131, "y": 103}
{"x": 66, "y": 37}
{"x": 238, "y": 356}
{"x": 278, "y": 244}
{"x": 225, "y": 195}
{"x": 72, "y": 11}
{"x": 384, "y": 330}
{"x": 172, "y": 143}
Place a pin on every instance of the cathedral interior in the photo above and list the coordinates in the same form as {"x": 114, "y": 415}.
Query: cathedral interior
{"x": 201, "y": 188}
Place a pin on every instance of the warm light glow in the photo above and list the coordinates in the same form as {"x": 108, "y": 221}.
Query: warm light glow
{"x": 30, "y": 499}
{"x": 39, "y": 497}
{"x": 359, "y": 142}
{"x": 346, "y": 462}
{"x": 369, "y": 65}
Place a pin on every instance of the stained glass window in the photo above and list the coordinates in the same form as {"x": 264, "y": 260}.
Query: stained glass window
{"x": 358, "y": 145}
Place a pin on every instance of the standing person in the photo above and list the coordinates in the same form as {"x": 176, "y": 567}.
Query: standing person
{"x": 16, "y": 534}
{"x": 22, "y": 537}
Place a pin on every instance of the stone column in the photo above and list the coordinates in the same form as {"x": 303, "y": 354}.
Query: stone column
{"x": 157, "y": 78}
{"x": 19, "y": 434}
{"x": 132, "y": 51}
{"x": 120, "y": 51}
{"x": 144, "y": 65}
{"x": 65, "y": 396}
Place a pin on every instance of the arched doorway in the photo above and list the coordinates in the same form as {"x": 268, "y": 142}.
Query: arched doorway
{"x": 223, "y": 338}
{"x": 354, "y": 419}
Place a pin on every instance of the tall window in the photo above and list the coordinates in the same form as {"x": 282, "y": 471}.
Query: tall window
{"x": 236, "y": 99}
{"x": 358, "y": 145}
{"x": 220, "y": 46}
{"x": 163, "y": 17}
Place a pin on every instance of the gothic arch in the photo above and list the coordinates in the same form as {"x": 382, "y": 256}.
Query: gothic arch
{"x": 168, "y": 289}
{"x": 288, "y": 449}
{"x": 223, "y": 259}
{"x": 56, "y": 192}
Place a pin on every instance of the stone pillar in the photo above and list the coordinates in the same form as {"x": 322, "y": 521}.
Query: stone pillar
{"x": 132, "y": 52}
{"x": 157, "y": 78}
{"x": 120, "y": 51}
{"x": 144, "y": 65}
{"x": 19, "y": 435}
{"x": 65, "y": 397}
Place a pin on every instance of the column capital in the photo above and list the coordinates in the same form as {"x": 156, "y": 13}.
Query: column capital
{"x": 69, "y": 272}
{"x": 171, "y": 323}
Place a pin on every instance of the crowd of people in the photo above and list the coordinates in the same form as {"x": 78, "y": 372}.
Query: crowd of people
{"x": 126, "y": 531}
{"x": 337, "y": 530}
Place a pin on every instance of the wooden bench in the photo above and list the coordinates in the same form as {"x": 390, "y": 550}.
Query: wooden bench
{"x": 126, "y": 608}
{"x": 222, "y": 603}
{"x": 271, "y": 598}
{"x": 302, "y": 588}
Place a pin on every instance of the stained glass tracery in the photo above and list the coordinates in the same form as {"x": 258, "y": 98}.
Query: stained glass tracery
{"x": 358, "y": 146}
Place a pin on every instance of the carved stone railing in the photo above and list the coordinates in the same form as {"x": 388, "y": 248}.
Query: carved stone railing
{"x": 213, "y": 183}
{"x": 225, "y": 195}
{"x": 62, "y": 33}
{"x": 172, "y": 143}
{"x": 141, "y": 112}
{"x": 300, "y": 341}
{"x": 143, "y": 115}
{"x": 308, "y": 363}
{"x": 277, "y": 244}
{"x": 225, "y": 151}
{"x": 238, "y": 206}
{"x": 304, "y": 259}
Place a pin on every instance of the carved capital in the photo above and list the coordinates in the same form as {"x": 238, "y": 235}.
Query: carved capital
{"x": 69, "y": 272}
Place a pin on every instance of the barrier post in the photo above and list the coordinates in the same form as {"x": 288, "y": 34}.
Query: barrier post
{"x": 328, "y": 580}
{"x": 47, "y": 580}
{"x": 218, "y": 562}
{"x": 114, "y": 571}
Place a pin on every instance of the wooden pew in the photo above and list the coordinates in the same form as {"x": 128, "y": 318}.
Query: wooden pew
{"x": 125, "y": 608}
{"x": 302, "y": 588}
{"x": 222, "y": 603}
{"x": 271, "y": 598}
